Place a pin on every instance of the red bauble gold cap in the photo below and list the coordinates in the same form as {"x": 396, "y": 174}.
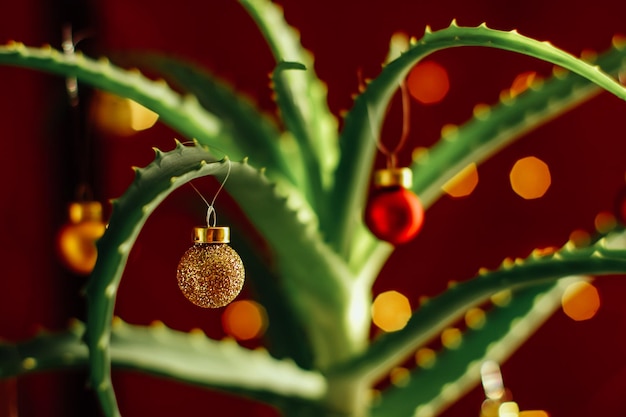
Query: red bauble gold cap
{"x": 393, "y": 177}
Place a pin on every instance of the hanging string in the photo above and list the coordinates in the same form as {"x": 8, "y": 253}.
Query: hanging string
{"x": 391, "y": 154}
{"x": 211, "y": 214}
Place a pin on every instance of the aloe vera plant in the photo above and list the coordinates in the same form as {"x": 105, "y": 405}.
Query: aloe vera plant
{"x": 304, "y": 189}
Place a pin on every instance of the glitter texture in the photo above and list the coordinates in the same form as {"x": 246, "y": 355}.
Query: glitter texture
{"x": 210, "y": 275}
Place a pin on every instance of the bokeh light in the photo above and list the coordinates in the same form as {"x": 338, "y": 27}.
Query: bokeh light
{"x": 425, "y": 357}
{"x": 533, "y": 413}
{"x": 76, "y": 240}
{"x": 463, "y": 183}
{"x": 522, "y": 82}
{"x": 399, "y": 376}
{"x": 530, "y": 178}
{"x": 580, "y": 301}
{"x": 580, "y": 238}
{"x": 428, "y": 82}
{"x": 244, "y": 320}
{"x": 391, "y": 311}
{"x": 604, "y": 222}
{"x": 120, "y": 116}
{"x": 502, "y": 298}
{"x": 508, "y": 409}
{"x": 475, "y": 318}
{"x": 451, "y": 338}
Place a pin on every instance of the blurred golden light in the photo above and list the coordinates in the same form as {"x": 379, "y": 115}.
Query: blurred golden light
{"x": 76, "y": 240}
{"x": 491, "y": 378}
{"x": 425, "y": 357}
{"x": 451, "y": 338}
{"x": 489, "y": 408}
{"x": 463, "y": 183}
{"x": 141, "y": 118}
{"x": 475, "y": 318}
{"x": 605, "y": 222}
{"x": 391, "y": 311}
{"x": 502, "y": 298}
{"x": 522, "y": 82}
{"x": 244, "y": 320}
{"x": 119, "y": 115}
{"x": 580, "y": 238}
{"x": 508, "y": 409}
{"x": 428, "y": 82}
{"x": 533, "y": 413}
{"x": 399, "y": 376}
{"x": 530, "y": 178}
{"x": 580, "y": 301}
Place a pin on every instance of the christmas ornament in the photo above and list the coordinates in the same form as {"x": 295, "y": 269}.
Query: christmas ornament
{"x": 394, "y": 213}
{"x": 76, "y": 239}
{"x": 210, "y": 273}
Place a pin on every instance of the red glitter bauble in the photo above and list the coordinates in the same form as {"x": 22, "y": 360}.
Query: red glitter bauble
{"x": 394, "y": 214}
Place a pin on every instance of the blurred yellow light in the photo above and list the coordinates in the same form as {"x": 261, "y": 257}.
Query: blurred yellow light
{"x": 489, "y": 408}
{"x": 76, "y": 240}
{"x": 475, "y": 318}
{"x": 508, "y": 409}
{"x": 141, "y": 118}
{"x": 533, "y": 413}
{"x": 463, "y": 183}
{"x": 522, "y": 82}
{"x": 391, "y": 311}
{"x": 425, "y": 357}
{"x": 580, "y": 238}
{"x": 451, "y": 338}
{"x": 244, "y": 320}
{"x": 580, "y": 301}
{"x": 428, "y": 82}
{"x": 502, "y": 298}
{"x": 399, "y": 376}
{"x": 605, "y": 222}
{"x": 119, "y": 115}
{"x": 530, "y": 178}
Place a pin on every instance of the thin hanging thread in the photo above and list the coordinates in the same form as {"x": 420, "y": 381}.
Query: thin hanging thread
{"x": 391, "y": 155}
{"x": 211, "y": 214}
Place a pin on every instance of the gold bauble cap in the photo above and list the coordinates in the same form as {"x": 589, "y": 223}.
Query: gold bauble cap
{"x": 219, "y": 234}
{"x": 82, "y": 211}
{"x": 393, "y": 177}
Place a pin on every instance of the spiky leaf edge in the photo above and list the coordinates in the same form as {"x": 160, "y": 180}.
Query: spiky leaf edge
{"x": 364, "y": 120}
{"x": 256, "y": 133}
{"x": 182, "y": 113}
{"x": 605, "y": 256}
{"x": 192, "y": 358}
{"x": 315, "y": 127}
{"x": 322, "y": 305}
{"x": 430, "y": 390}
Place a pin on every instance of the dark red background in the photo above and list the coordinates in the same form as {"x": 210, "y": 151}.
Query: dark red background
{"x": 569, "y": 369}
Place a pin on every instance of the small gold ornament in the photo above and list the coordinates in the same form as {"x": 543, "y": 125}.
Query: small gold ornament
{"x": 210, "y": 274}
{"x": 76, "y": 239}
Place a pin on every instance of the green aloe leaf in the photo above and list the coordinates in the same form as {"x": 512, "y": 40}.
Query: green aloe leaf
{"x": 363, "y": 122}
{"x": 606, "y": 256}
{"x": 282, "y": 217}
{"x": 256, "y": 134}
{"x": 297, "y": 127}
{"x": 429, "y": 390}
{"x": 182, "y": 113}
{"x": 495, "y": 128}
{"x": 158, "y": 350}
{"x": 305, "y": 109}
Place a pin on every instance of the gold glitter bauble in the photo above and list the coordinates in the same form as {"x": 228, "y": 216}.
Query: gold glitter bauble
{"x": 210, "y": 275}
